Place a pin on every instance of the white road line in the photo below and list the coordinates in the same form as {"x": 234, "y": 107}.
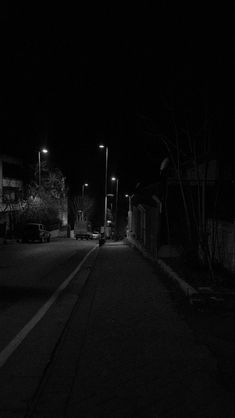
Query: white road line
{"x": 17, "y": 340}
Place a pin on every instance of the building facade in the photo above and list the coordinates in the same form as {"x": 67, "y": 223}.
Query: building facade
{"x": 11, "y": 192}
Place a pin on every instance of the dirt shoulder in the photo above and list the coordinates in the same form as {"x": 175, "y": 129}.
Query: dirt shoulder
{"x": 209, "y": 312}
{"x": 211, "y": 318}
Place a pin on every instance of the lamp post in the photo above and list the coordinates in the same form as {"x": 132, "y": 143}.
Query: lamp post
{"x": 116, "y": 205}
{"x": 129, "y": 200}
{"x": 83, "y": 193}
{"x": 105, "y": 187}
{"x": 129, "y": 213}
{"x": 45, "y": 151}
{"x": 83, "y": 190}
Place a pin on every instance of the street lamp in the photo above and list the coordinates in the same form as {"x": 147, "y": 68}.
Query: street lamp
{"x": 129, "y": 212}
{"x": 83, "y": 193}
{"x": 83, "y": 189}
{"x": 116, "y": 206}
{"x": 44, "y": 151}
{"x": 129, "y": 199}
{"x": 105, "y": 187}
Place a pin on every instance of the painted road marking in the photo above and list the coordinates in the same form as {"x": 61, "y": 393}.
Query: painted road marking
{"x": 12, "y": 346}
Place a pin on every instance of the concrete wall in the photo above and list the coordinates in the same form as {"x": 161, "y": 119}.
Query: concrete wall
{"x": 146, "y": 227}
{"x": 222, "y": 242}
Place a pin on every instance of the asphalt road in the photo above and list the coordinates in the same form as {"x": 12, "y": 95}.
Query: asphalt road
{"x": 33, "y": 313}
{"x": 32, "y": 266}
{"x": 111, "y": 341}
{"x": 126, "y": 352}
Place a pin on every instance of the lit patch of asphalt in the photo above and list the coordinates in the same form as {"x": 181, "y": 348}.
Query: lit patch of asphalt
{"x": 18, "y": 339}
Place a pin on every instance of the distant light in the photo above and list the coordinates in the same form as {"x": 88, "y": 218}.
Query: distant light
{"x": 44, "y": 150}
{"x": 101, "y": 146}
{"x": 126, "y": 195}
{"x": 113, "y": 178}
{"x": 86, "y": 184}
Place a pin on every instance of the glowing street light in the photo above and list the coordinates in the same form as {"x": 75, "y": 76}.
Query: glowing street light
{"x": 101, "y": 146}
{"x": 129, "y": 212}
{"x": 83, "y": 193}
{"x": 129, "y": 199}
{"x": 83, "y": 189}
{"x": 44, "y": 151}
{"x": 116, "y": 206}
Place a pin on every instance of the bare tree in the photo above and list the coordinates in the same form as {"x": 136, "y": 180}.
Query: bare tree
{"x": 78, "y": 203}
{"x": 45, "y": 202}
{"x": 184, "y": 147}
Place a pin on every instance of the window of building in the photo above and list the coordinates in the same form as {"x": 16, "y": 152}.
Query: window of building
{"x": 11, "y": 195}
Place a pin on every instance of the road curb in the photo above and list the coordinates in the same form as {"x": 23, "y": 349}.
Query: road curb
{"x": 189, "y": 291}
{"x": 185, "y": 287}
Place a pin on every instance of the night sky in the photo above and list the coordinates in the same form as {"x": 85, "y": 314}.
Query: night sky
{"x": 74, "y": 77}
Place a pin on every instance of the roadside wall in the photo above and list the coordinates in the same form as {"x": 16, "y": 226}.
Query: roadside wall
{"x": 221, "y": 237}
{"x": 146, "y": 228}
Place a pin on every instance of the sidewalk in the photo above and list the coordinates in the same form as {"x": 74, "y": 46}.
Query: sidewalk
{"x": 127, "y": 353}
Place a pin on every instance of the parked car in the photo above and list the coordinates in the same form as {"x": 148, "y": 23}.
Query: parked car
{"x": 95, "y": 235}
{"x": 83, "y": 235}
{"x": 35, "y": 232}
